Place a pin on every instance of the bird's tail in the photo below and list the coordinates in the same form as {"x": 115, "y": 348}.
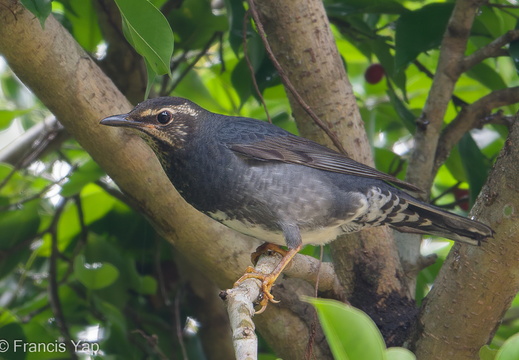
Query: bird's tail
{"x": 435, "y": 221}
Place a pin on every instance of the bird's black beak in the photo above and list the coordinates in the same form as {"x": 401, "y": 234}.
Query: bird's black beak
{"x": 123, "y": 120}
{"x": 116, "y": 120}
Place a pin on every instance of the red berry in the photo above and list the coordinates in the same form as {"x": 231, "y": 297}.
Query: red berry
{"x": 374, "y": 73}
{"x": 462, "y": 197}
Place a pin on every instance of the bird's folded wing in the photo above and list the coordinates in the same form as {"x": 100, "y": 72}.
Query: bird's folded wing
{"x": 296, "y": 150}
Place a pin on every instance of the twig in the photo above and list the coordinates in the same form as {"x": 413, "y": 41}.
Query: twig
{"x": 239, "y": 302}
{"x": 53, "y": 281}
{"x": 503, "y": 6}
{"x": 489, "y": 50}
{"x": 251, "y": 68}
{"x": 472, "y": 116}
{"x": 152, "y": 342}
{"x": 193, "y": 63}
{"x": 178, "y": 327}
{"x": 288, "y": 83}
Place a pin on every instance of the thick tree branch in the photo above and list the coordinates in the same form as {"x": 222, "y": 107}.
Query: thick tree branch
{"x": 470, "y": 117}
{"x": 430, "y": 122}
{"x": 449, "y": 70}
{"x": 466, "y": 303}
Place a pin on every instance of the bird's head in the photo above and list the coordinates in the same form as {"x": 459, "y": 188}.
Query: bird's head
{"x": 164, "y": 121}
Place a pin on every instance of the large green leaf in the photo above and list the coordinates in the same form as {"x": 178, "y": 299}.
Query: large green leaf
{"x": 95, "y": 203}
{"x": 19, "y": 225}
{"x": 11, "y": 337}
{"x": 186, "y": 24}
{"x": 236, "y": 15}
{"x": 85, "y": 25}
{"x": 510, "y": 349}
{"x": 40, "y": 8}
{"x": 96, "y": 275}
{"x": 513, "y": 50}
{"x": 148, "y": 31}
{"x": 475, "y": 164}
{"x": 487, "y": 76}
{"x": 398, "y": 353}
{"x": 345, "y": 8}
{"x": 6, "y": 116}
{"x": 351, "y": 334}
{"x": 419, "y": 31}
{"x": 407, "y": 117}
{"x": 85, "y": 174}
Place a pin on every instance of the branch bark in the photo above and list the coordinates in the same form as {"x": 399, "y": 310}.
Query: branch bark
{"x": 466, "y": 303}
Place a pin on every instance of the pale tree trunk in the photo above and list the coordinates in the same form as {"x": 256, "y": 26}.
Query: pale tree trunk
{"x": 476, "y": 285}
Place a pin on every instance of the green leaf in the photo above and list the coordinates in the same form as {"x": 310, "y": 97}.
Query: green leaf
{"x": 513, "y": 49}
{"x": 382, "y": 50}
{"x": 407, "y": 117}
{"x": 94, "y": 276}
{"x": 236, "y": 14}
{"x": 87, "y": 173}
{"x": 12, "y": 334}
{"x": 351, "y": 333}
{"x": 510, "y": 349}
{"x": 148, "y": 31}
{"x": 186, "y": 24}
{"x": 487, "y": 353}
{"x": 147, "y": 285}
{"x": 350, "y": 7}
{"x": 455, "y": 165}
{"x": 419, "y": 31}
{"x": 19, "y": 225}
{"x": 95, "y": 203}
{"x": 40, "y": 8}
{"x": 487, "y": 76}
{"x": 6, "y": 116}
{"x": 398, "y": 353}
{"x": 475, "y": 164}
{"x": 85, "y": 24}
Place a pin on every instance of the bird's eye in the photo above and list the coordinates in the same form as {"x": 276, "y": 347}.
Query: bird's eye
{"x": 164, "y": 117}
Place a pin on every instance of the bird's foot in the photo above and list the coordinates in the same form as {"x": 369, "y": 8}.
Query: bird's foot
{"x": 267, "y": 281}
{"x": 266, "y": 248}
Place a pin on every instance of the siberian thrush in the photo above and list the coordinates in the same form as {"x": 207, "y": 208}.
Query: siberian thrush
{"x": 261, "y": 180}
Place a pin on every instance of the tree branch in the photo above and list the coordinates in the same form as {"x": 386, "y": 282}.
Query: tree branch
{"x": 491, "y": 50}
{"x": 288, "y": 83}
{"x": 430, "y": 122}
{"x": 470, "y": 117}
{"x": 449, "y": 70}
{"x": 464, "y": 308}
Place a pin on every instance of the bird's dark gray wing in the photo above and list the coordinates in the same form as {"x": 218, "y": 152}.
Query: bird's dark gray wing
{"x": 296, "y": 150}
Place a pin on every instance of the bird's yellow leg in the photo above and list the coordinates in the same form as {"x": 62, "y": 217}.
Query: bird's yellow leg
{"x": 267, "y": 280}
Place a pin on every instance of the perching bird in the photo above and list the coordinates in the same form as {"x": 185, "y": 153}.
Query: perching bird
{"x": 265, "y": 182}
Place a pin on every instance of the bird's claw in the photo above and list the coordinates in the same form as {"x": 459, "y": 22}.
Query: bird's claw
{"x": 264, "y": 249}
{"x": 267, "y": 281}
